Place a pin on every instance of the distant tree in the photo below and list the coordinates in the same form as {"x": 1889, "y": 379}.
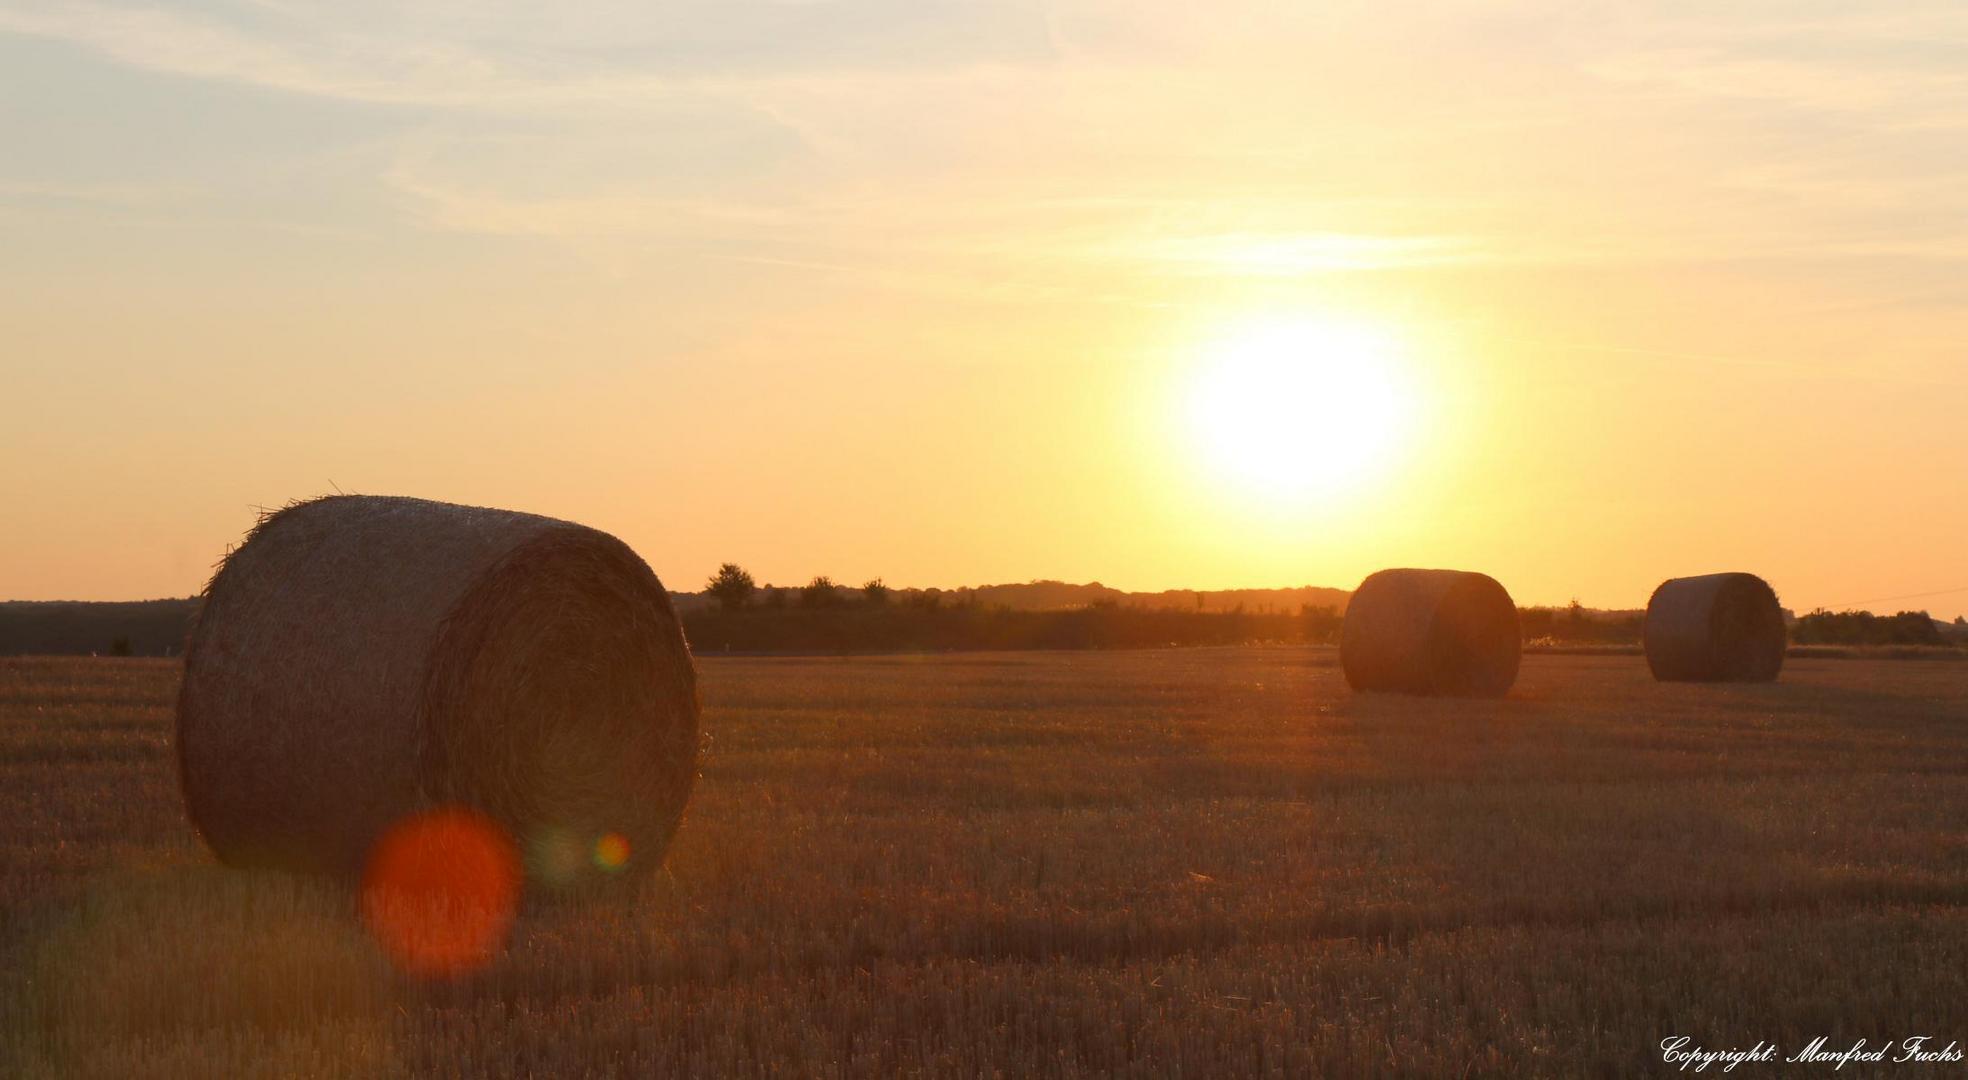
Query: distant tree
{"x": 1915, "y": 628}
{"x": 818, "y": 593}
{"x": 928, "y": 599}
{"x": 1321, "y": 622}
{"x": 732, "y": 586}
{"x": 875, "y": 591}
{"x": 775, "y": 597}
{"x": 1823, "y": 627}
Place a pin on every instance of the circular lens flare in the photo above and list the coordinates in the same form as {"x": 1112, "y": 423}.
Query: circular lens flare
{"x": 611, "y": 852}
{"x": 440, "y": 890}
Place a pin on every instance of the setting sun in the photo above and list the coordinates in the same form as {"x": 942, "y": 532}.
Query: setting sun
{"x": 1300, "y": 409}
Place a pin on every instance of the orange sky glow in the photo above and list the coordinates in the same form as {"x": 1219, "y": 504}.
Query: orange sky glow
{"x": 1161, "y": 295}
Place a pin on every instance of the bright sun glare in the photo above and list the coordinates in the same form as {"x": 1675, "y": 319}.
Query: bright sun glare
{"x": 1297, "y": 410}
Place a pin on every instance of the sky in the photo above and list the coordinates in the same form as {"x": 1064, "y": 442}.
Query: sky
{"x": 927, "y": 290}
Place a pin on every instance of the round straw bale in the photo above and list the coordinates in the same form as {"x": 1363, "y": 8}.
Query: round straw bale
{"x": 360, "y": 659}
{"x": 1715, "y": 628}
{"x": 1431, "y": 632}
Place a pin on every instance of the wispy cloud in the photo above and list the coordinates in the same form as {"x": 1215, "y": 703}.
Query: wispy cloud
{"x": 1896, "y": 96}
{"x": 1267, "y": 253}
{"x": 1089, "y": 133}
{"x": 90, "y": 194}
{"x": 521, "y": 55}
{"x": 337, "y": 65}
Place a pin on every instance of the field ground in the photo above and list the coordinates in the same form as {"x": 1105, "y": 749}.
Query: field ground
{"x": 1206, "y": 862}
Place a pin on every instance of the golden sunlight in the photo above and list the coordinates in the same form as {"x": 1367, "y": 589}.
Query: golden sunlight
{"x": 1298, "y": 410}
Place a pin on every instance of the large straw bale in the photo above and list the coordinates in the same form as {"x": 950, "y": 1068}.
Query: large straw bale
{"x": 363, "y": 658}
{"x": 1715, "y": 628}
{"x": 1431, "y": 632}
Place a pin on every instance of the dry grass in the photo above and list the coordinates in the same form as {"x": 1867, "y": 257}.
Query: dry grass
{"x": 1206, "y": 861}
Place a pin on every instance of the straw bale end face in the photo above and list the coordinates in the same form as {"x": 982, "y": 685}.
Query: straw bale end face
{"x": 1715, "y": 628}
{"x": 362, "y": 659}
{"x": 1448, "y": 632}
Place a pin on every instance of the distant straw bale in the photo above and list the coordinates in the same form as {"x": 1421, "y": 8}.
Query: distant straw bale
{"x": 1431, "y": 632}
{"x": 363, "y": 658}
{"x": 1715, "y": 628}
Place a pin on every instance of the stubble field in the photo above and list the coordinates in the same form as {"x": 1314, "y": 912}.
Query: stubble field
{"x": 1205, "y": 862}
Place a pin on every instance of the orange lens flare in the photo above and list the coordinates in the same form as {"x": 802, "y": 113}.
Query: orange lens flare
{"x": 440, "y": 891}
{"x": 611, "y": 852}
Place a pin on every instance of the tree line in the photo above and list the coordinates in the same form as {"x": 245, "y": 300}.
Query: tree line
{"x": 824, "y": 616}
{"x": 1823, "y": 627}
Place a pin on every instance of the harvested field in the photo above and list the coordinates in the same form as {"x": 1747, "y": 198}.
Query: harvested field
{"x": 1212, "y": 861}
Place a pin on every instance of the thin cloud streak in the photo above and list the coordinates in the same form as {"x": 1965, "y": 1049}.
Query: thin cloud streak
{"x": 1079, "y": 105}
{"x": 351, "y": 69}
